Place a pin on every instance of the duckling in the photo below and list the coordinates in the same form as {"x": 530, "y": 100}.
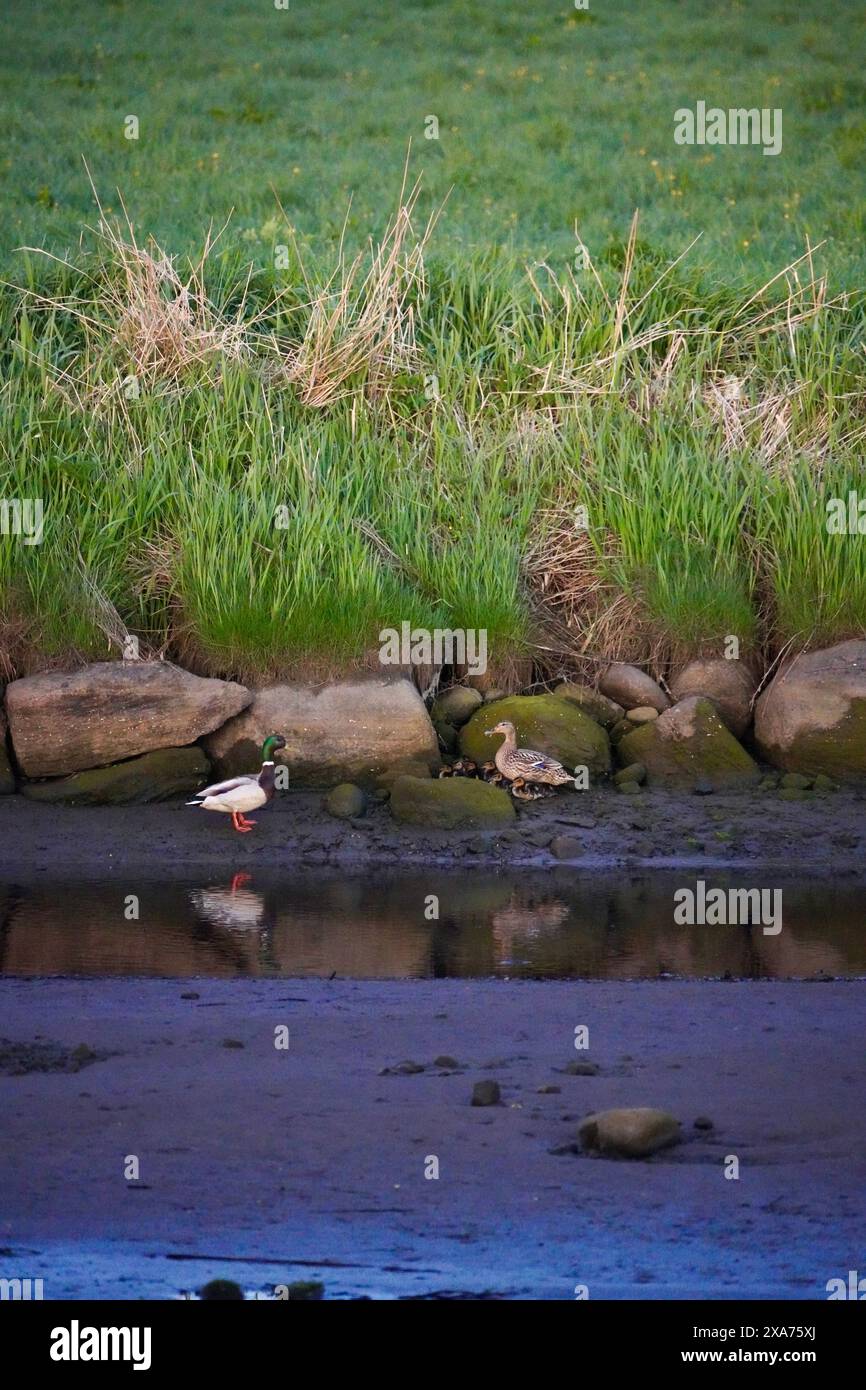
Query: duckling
{"x": 489, "y": 772}
{"x": 514, "y": 762}
{"x": 524, "y": 791}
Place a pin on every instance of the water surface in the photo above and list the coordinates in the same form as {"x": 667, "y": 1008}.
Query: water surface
{"x": 558, "y": 924}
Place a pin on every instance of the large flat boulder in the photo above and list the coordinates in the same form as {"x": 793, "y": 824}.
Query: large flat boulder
{"x": 157, "y": 776}
{"x": 729, "y": 684}
{"x": 451, "y": 803}
{"x": 688, "y": 744}
{"x": 631, "y": 687}
{"x": 351, "y": 731}
{"x": 66, "y": 721}
{"x": 812, "y": 718}
{"x": 544, "y": 723}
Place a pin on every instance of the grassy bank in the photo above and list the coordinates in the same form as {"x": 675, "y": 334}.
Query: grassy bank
{"x": 257, "y": 477}
{"x": 256, "y": 460}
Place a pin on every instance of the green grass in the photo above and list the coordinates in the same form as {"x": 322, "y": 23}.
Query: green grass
{"x": 704, "y": 431}
{"x": 547, "y": 116}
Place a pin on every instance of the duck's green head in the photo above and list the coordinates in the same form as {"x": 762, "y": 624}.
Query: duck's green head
{"x": 272, "y": 742}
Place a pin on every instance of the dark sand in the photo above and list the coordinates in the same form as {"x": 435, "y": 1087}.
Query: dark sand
{"x": 655, "y": 829}
{"x": 308, "y": 1163}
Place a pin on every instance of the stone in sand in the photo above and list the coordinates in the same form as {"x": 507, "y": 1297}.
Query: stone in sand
{"x": 566, "y": 847}
{"x": 345, "y": 801}
{"x": 629, "y": 1133}
{"x": 486, "y": 1093}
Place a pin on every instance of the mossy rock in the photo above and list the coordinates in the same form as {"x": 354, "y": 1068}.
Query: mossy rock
{"x": 451, "y": 803}
{"x": 688, "y": 744}
{"x": 157, "y": 776}
{"x": 456, "y": 705}
{"x": 346, "y": 801}
{"x": 411, "y": 768}
{"x": 545, "y": 724}
{"x": 604, "y": 711}
{"x": 812, "y": 718}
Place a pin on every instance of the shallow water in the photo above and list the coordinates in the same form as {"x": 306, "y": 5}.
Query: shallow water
{"x": 559, "y": 924}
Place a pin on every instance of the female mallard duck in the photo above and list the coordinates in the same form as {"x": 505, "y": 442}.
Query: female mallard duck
{"x": 522, "y": 764}
{"x": 240, "y": 794}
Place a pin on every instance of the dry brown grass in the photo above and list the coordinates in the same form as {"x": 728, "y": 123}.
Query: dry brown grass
{"x": 585, "y": 619}
{"x": 360, "y": 330}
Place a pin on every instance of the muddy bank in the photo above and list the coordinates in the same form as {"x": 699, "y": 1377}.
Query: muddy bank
{"x": 268, "y": 1165}
{"x": 595, "y": 829}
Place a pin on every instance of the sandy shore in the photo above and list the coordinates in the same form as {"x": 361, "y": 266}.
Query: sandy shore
{"x": 267, "y": 1165}
{"x": 656, "y": 829}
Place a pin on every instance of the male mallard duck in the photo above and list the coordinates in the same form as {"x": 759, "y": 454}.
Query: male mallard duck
{"x": 240, "y": 794}
{"x": 522, "y": 763}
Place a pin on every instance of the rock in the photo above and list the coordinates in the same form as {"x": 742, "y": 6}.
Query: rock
{"x": 447, "y": 1063}
{"x": 631, "y": 688}
{"x": 454, "y": 803}
{"x": 304, "y": 1291}
{"x": 221, "y": 1291}
{"x": 456, "y": 705}
{"x": 796, "y": 781}
{"x": 351, "y": 731}
{"x": 486, "y": 1093}
{"x": 566, "y": 847}
{"x": 812, "y": 718}
{"x": 629, "y": 787}
{"x": 66, "y": 721}
{"x": 540, "y": 838}
{"x": 795, "y": 794}
{"x": 152, "y": 777}
{"x": 386, "y": 780}
{"x": 604, "y": 711}
{"x": 233, "y": 1043}
{"x": 545, "y": 724}
{"x": 492, "y": 695}
{"x": 619, "y": 731}
{"x": 407, "y": 1068}
{"x": 729, "y": 684}
{"x": 703, "y": 787}
{"x": 644, "y": 714}
{"x": 346, "y": 801}
{"x": 447, "y": 735}
{"x": 7, "y": 776}
{"x": 703, "y": 1122}
{"x": 635, "y": 772}
{"x": 687, "y": 744}
{"x": 582, "y": 1068}
{"x": 824, "y": 784}
{"x": 629, "y": 1133}
{"x": 548, "y": 1090}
